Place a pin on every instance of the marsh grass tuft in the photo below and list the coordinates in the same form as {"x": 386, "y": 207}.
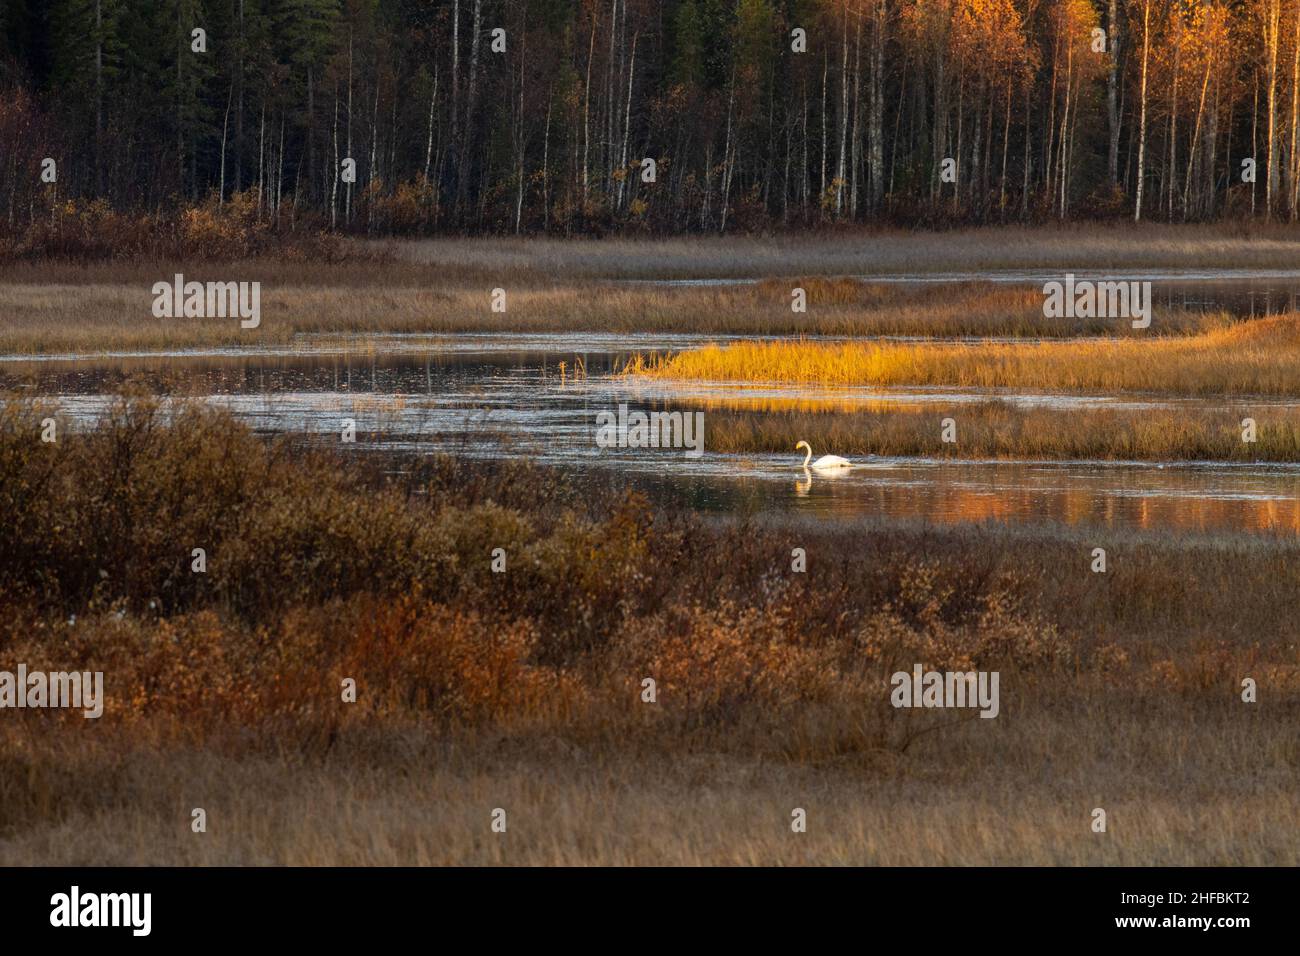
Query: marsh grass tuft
{"x": 1001, "y": 430}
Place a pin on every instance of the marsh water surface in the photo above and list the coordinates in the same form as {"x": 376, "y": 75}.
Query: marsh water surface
{"x": 538, "y": 396}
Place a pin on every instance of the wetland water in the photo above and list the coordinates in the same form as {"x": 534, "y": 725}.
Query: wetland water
{"x": 505, "y": 395}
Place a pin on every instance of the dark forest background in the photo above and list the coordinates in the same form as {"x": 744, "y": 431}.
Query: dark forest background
{"x": 1050, "y": 109}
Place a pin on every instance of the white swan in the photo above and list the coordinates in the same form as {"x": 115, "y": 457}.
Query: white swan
{"x": 825, "y": 462}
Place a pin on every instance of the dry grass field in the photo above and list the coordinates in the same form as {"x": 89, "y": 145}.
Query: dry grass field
{"x": 1181, "y": 785}
{"x": 1121, "y": 246}
{"x": 552, "y": 285}
{"x": 114, "y": 313}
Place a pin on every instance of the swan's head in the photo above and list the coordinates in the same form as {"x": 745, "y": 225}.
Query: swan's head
{"x": 802, "y": 444}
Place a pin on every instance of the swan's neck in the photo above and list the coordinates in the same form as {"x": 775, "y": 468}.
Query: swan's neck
{"x": 807, "y": 455}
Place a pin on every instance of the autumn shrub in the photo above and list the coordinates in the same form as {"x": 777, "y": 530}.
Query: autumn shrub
{"x": 240, "y": 227}
{"x": 714, "y": 663}
{"x": 409, "y": 658}
{"x": 456, "y": 665}
{"x": 116, "y": 513}
{"x": 411, "y": 208}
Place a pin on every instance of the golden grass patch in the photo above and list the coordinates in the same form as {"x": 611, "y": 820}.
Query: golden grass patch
{"x": 1259, "y": 357}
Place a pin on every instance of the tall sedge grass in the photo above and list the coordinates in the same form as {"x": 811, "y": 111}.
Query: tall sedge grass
{"x": 1002, "y": 430}
{"x": 1208, "y": 785}
{"x": 1260, "y": 357}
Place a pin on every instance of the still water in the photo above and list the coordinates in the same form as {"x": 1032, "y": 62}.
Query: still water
{"x": 538, "y": 396}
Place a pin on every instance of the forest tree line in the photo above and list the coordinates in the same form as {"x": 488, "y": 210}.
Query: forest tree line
{"x": 539, "y": 115}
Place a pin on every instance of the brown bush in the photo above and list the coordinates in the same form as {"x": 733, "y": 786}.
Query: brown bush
{"x": 211, "y": 231}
